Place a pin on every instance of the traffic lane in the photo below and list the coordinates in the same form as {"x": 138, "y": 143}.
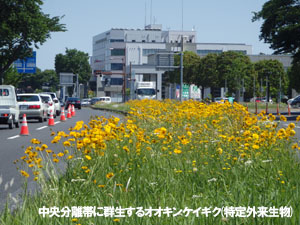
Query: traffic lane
{"x": 12, "y": 149}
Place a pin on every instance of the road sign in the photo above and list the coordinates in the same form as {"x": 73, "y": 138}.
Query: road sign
{"x": 27, "y": 65}
{"x": 186, "y": 91}
{"x": 66, "y": 79}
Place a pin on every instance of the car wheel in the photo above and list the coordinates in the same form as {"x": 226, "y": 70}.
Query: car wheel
{"x": 41, "y": 119}
{"x": 17, "y": 124}
{"x": 57, "y": 113}
{"x": 10, "y": 125}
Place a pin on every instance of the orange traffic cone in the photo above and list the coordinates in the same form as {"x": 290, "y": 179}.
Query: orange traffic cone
{"x": 73, "y": 111}
{"x": 51, "y": 119}
{"x": 62, "y": 115}
{"x": 277, "y": 109}
{"x": 69, "y": 114}
{"x": 289, "y": 110}
{"x": 24, "y": 127}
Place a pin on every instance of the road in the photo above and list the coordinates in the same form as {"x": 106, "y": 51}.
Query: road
{"x": 12, "y": 147}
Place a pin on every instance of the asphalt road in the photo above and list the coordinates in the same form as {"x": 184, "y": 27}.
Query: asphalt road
{"x": 12, "y": 147}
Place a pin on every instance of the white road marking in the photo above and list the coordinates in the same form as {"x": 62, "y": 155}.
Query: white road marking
{"x": 40, "y": 128}
{"x": 13, "y": 137}
{"x": 57, "y": 122}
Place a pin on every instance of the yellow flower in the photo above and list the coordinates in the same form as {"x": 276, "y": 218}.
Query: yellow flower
{"x": 101, "y": 185}
{"x": 88, "y": 157}
{"x": 87, "y": 171}
{"x": 67, "y": 143}
{"x": 220, "y": 151}
{"x": 84, "y": 167}
{"x": 109, "y": 175}
{"x": 283, "y": 118}
{"x": 24, "y": 173}
{"x": 36, "y": 178}
{"x": 126, "y": 149}
{"x": 116, "y": 220}
{"x": 255, "y": 146}
{"x": 60, "y": 154}
{"x": 74, "y": 220}
{"x": 56, "y": 160}
{"x": 177, "y": 151}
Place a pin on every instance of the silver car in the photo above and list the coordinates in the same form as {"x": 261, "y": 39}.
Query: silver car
{"x": 33, "y": 106}
{"x": 56, "y": 102}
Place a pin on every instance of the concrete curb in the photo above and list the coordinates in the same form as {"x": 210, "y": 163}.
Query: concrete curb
{"x": 110, "y": 110}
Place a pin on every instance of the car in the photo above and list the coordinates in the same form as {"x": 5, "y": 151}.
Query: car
{"x": 9, "y": 107}
{"x": 220, "y": 100}
{"x": 47, "y": 100}
{"x": 94, "y": 100}
{"x": 86, "y": 102}
{"x": 57, "y": 104}
{"x": 32, "y": 105}
{"x": 73, "y": 101}
{"x": 295, "y": 102}
{"x": 105, "y": 99}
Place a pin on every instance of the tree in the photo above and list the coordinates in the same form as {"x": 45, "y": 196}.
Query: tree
{"x": 234, "y": 69}
{"x": 208, "y": 73}
{"x": 281, "y": 26}
{"x": 273, "y": 71}
{"x": 76, "y": 62}
{"x": 22, "y": 27}
{"x": 190, "y": 62}
{"x": 12, "y": 77}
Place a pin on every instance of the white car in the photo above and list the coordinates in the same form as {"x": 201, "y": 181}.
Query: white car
{"x": 57, "y": 105}
{"x": 33, "y": 106}
{"x": 9, "y": 107}
{"x": 85, "y": 102}
{"x": 47, "y": 100}
{"x": 105, "y": 99}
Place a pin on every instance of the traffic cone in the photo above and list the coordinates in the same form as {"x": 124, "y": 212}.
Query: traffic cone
{"x": 69, "y": 114}
{"x": 73, "y": 111}
{"x": 24, "y": 127}
{"x": 255, "y": 107}
{"x": 62, "y": 115}
{"x": 51, "y": 119}
{"x": 289, "y": 110}
{"x": 277, "y": 109}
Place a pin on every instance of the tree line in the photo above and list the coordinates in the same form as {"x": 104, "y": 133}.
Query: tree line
{"x": 235, "y": 71}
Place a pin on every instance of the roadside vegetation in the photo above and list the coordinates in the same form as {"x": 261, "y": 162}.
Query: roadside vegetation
{"x": 167, "y": 154}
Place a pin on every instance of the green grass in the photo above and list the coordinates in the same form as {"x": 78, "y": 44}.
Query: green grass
{"x": 198, "y": 177}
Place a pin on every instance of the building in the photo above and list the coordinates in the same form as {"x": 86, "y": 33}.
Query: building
{"x": 118, "y": 52}
{"x": 123, "y": 56}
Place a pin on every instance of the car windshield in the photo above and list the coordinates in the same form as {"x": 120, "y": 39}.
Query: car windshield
{"x": 147, "y": 91}
{"x": 45, "y": 98}
{"x": 28, "y": 98}
{"x": 73, "y": 99}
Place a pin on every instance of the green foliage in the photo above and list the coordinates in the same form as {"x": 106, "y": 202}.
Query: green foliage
{"x": 274, "y": 70}
{"x": 22, "y": 26}
{"x": 281, "y": 26}
{"x": 12, "y": 77}
{"x": 294, "y": 76}
{"x": 35, "y": 82}
{"x": 74, "y": 61}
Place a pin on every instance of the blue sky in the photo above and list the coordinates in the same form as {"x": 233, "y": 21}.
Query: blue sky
{"x": 216, "y": 21}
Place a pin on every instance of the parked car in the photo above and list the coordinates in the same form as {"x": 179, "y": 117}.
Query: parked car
{"x": 220, "y": 100}
{"x": 47, "y": 100}
{"x": 9, "y": 107}
{"x": 94, "y": 100}
{"x": 105, "y": 99}
{"x": 73, "y": 101}
{"x": 295, "y": 101}
{"x": 33, "y": 106}
{"x": 85, "y": 102}
{"x": 56, "y": 102}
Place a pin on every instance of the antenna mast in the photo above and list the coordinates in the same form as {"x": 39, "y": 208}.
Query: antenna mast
{"x": 151, "y": 12}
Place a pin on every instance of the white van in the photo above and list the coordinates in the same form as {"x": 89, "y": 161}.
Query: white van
{"x": 9, "y": 107}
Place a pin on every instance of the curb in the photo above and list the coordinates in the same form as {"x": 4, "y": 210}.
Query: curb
{"x": 110, "y": 110}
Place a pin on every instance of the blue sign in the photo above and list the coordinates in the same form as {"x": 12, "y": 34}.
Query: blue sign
{"x": 27, "y": 65}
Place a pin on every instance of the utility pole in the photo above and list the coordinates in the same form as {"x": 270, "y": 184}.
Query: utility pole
{"x": 181, "y": 69}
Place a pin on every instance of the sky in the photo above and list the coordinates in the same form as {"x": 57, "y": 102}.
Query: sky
{"x": 216, "y": 21}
